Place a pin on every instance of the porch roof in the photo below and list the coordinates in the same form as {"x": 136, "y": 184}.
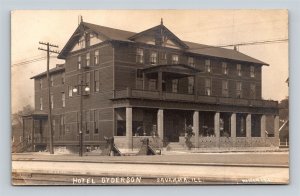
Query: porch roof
{"x": 182, "y": 70}
{"x": 36, "y": 115}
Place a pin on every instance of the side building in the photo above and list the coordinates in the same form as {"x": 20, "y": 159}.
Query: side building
{"x": 152, "y": 84}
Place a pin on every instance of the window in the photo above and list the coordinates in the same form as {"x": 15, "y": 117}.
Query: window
{"x": 51, "y": 81}
{"x": 239, "y": 69}
{"x": 224, "y": 68}
{"x": 52, "y": 101}
{"x": 225, "y": 88}
{"x": 62, "y": 125}
{"x": 239, "y": 90}
{"x": 88, "y": 60}
{"x": 153, "y": 58}
{"x": 88, "y": 79}
{"x": 139, "y": 55}
{"x": 87, "y": 39}
{"x": 63, "y": 99}
{"x": 252, "y": 91}
{"x": 81, "y": 42}
{"x": 190, "y": 85}
{"x": 207, "y": 87}
{"x": 79, "y": 62}
{"x": 163, "y": 57}
{"x": 207, "y": 66}
{"x": 175, "y": 86}
{"x": 41, "y": 103}
{"x": 96, "y": 128}
{"x": 252, "y": 72}
{"x": 70, "y": 89}
{"x": 96, "y": 81}
{"x": 63, "y": 78}
{"x": 96, "y": 57}
{"x": 175, "y": 59}
{"x": 191, "y": 61}
{"x": 139, "y": 79}
{"x": 41, "y": 83}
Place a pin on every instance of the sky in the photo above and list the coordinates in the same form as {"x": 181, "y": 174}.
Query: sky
{"x": 212, "y": 27}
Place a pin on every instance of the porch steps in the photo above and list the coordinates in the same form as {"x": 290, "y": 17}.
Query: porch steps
{"x": 176, "y": 146}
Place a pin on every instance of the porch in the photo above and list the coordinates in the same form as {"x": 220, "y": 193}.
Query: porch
{"x": 212, "y": 129}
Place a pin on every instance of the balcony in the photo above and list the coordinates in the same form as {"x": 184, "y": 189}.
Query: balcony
{"x": 168, "y": 96}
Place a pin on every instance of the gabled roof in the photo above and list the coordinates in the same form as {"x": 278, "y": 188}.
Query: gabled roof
{"x": 163, "y": 30}
{"x": 59, "y": 68}
{"x": 191, "y": 47}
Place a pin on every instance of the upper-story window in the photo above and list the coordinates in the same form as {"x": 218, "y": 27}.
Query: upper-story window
{"x": 191, "y": 85}
{"x": 79, "y": 62}
{"x": 163, "y": 57}
{"x": 52, "y": 101}
{"x": 63, "y": 99}
{"x": 225, "y": 88}
{"x": 224, "y": 68}
{"x": 140, "y": 55}
{"x": 51, "y": 81}
{"x": 252, "y": 91}
{"x": 239, "y": 69}
{"x": 63, "y": 78}
{"x": 252, "y": 72}
{"x": 88, "y": 59}
{"x": 70, "y": 89}
{"x": 41, "y": 103}
{"x": 87, "y": 39}
{"x": 207, "y": 87}
{"x": 175, "y": 59}
{"x": 175, "y": 86}
{"x": 81, "y": 42}
{"x": 239, "y": 89}
{"x": 207, "y": 66}
{"x": 96, "y": 81}
{"x": 96, "y": 57}
{"x": 153, "y": 58}
{"x": 191, "y": 61}
{"x": 41, "y": 83}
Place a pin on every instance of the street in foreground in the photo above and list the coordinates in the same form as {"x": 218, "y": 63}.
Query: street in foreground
{"x": 207, "y": 168}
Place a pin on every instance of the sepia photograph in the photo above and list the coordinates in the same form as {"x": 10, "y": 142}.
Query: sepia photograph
{"x": 149, "y": 97}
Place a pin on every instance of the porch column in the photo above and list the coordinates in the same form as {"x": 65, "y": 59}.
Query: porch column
{"x": 129, "y": 127}
{"x": 217, "y": 124}
{"x": 159, "y": 81}
{"x": 160, "y": 123}
{"x": 276, "y": 126}
{"x": 23, "y": 129}
{"x": 32, "y": 135}
{"x": 233, "y": 125}
{"x": 248, "y": 125}
{"x": 196, "y": 127}
{"x": 263, "y": 126}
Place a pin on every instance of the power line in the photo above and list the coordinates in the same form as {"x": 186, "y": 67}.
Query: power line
{"x": 31, "y": 61}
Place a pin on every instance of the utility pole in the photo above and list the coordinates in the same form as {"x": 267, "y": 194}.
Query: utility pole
{"x": 50, "y": 129}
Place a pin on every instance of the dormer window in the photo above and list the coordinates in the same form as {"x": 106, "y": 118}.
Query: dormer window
{"x": 153, "y": 58}
{"x": 191, "y": 61}
{"x": 139, "y": 55}
{"x": 252, "y": 72}
{"x": 51, "y": 81}
{"x": 239, "y": 69}
{"x": 207, "y": 66}
{"x": 175, "y": 59}
{"x": 224, "y": 68}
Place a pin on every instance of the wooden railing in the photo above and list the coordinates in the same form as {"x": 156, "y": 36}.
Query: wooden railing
{"x": 156, "y": 95}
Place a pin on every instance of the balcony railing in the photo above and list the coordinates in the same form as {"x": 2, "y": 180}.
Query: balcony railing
{"x": 156, "y": 95}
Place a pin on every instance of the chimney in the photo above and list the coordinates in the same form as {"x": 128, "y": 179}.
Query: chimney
{"x": 235, "y": 48}
{"x": 161, "y": 21}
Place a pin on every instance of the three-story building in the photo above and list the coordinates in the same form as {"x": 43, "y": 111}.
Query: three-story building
{"x": 153, "y": 84}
